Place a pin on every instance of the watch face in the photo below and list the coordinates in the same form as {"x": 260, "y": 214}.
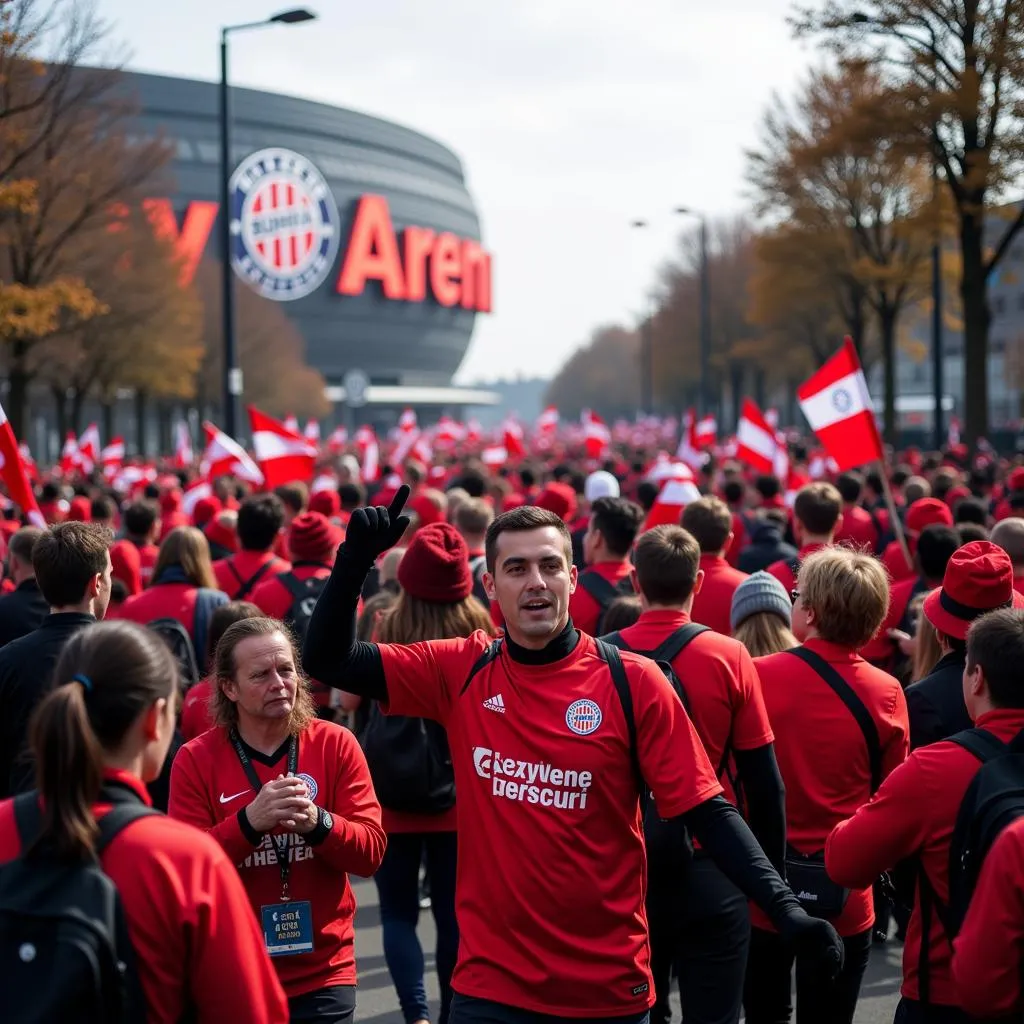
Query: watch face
{"x": 328, "y": 820}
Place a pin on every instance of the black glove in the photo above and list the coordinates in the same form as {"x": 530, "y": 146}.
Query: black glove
{"x": 371, "y": 531}
{"x": 815, "y": 942}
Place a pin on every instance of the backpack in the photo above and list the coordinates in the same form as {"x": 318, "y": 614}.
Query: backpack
{"x": 65, "y": 953}
{"x": 994, "y": 799}
{"x": 190, "y": 654}
{"x": 410, "y": 763}
{"x": 604, "y": 592}
{"x": 305, "y": 594}
{"x": 245, "y": 586}
{"x": 805, "y": 872}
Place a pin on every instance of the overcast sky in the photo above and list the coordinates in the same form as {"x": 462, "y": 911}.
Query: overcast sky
{"x": 572, "y": 118}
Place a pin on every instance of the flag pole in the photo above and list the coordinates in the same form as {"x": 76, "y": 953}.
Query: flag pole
{"x": 894, "y": 519}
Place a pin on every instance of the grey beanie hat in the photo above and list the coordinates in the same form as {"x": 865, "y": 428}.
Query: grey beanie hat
{"x": 761, "y": 592}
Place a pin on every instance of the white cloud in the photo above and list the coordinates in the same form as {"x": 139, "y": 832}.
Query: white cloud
{"x": 572, "y": 117}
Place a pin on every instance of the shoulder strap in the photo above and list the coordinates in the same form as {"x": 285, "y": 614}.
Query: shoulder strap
{"x": 294, "y": 586}
{"x": 598, "y": 587}
{"x": 610, "y": 656}
{"x": 854, "y": 705}
{"x": 118, "y": 818}
{"x": 28, "y": 816}
{"x": 673, "y": 645}
{"x": 615, "y": 639}
{"x": 235, "y": 572}
{"x": 981, "y": 743}
{"x": 246, "y": 585}
{"x": 492, "y": 650}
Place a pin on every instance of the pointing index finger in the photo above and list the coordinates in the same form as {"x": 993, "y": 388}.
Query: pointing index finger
{"x": 398, "y": 503}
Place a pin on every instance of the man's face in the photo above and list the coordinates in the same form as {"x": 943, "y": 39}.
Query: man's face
{"x": 265, "y": 682}
{"x": 532, "y": 582}
{"x": 101, "y": 599}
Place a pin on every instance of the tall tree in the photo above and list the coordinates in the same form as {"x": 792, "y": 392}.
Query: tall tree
{"x": 833, "y": 166}
{"x": 954, "y": 70}
{"x": 603, "y": 375}
{"x": 67, "y": 154}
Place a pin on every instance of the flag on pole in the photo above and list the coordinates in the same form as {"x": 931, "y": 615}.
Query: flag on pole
{"x": 224, "y": 456}
{"x": 755, "y": 440}
{"x": 596, "y": 435}
{"x": 283, "y": 455}
{"x": 837, "y": 405}
{"x": 12, "y": 472}
{"x": 89, "y": 448}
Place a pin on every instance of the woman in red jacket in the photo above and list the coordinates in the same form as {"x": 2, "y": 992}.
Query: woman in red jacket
{"x": 97, "y": 739}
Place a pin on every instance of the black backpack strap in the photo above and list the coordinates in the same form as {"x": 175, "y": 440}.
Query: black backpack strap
{"x": 235, "y": 572}
{"x": 28, "y": 816}
{"x": 245, "y": 586}
{"x": 981, "y": 743}
{"x": 492, "y": 650}
{"x": 673, "y": 645}
{"x": 610, "y": 656}
{"x": 615, "y": 639}
{"x": 854, "y": 705}
{"x": 294, "y": 586}
{"x": 598, "y": 588}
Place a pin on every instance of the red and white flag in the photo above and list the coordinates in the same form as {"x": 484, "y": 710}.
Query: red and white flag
{"x": 31, "y": 469}
{"x": 195, "y": 494}
{"x": 337, "y": 439}
{"x": 474, "y": 432}
{"x": 69, "y": 454}
{"x": 112, "y": 457}
{"x": 755, "y": 440}
{"x": 291, "y": 423}
{"x": 224, "y": 456}
{"x": 689, "y": 451}
{"x": 407, "y": 421}
{"x": 12, "y": 472}
{"x": 513, "y": 438}
{"x": 547, "y": 421}
{"x": 706, "y": 432}
{"x": 324, "y": 482}
{"x": 312, "y": 432}
{"x": 89, "y": 448}
{"x": 369, "y": 449}
{"x": 184, "y": 456}
{"x": 494, "y": 455}
{"x": 284, "y": 455}
{"x": 675, "y": 494}
{"x": 837, "y": 405}
{"x": 448, "y": 432}
{"x": 596, "y": 436}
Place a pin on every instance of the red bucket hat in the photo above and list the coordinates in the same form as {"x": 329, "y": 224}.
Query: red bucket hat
{"x": 978, "y": 579}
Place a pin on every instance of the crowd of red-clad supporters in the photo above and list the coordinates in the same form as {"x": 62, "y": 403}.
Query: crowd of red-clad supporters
{"x": 718, "y": 747}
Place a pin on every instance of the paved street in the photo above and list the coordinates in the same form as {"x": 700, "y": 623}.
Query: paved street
{"x": 378, "y": 1003}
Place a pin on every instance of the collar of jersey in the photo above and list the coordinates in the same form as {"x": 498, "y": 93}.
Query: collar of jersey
{"x": 556, "y": 649}
{"x": 268, "y": 759}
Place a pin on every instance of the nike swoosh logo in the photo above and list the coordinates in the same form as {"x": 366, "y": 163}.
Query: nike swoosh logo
{"x": 227, "y": 799}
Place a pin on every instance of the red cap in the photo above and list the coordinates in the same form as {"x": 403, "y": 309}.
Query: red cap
{"x": 205, "y": 509}
{"x": 956, "y": 494}
{"x": 312, "y": 537}
{"x": 978, "y": 579}
{"x": 80, "y": 510}
{"x": 327, "y": 503}
{"x": 928, "y": 512}
{"x": 435, "y": 566}
{"x": 560, "y": 499}
{"x": 221, "y": 532}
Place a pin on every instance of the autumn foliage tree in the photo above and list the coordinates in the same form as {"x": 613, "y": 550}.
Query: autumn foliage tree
{"x": 604, "y": 375}
{"x": 67, "y": 156}
{"x": 953, "y": 76}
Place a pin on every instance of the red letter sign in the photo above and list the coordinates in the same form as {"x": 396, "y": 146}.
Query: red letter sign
{"x": 372, "y": 251}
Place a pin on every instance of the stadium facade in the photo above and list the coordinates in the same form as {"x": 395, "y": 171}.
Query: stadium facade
{"x": 362, "y": 229}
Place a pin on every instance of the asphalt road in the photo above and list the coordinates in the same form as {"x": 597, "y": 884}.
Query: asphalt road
{"x": 378, "y": 1003}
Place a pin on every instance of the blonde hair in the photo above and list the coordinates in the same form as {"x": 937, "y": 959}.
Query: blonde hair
{"x": 926, "y": 645}
{"x": 410, "y": 620}
{"x": 764, "y": 633}
{"x": 186, "y": 547}
{"x": 848, "y": 591}
{"x": 222, "y": 707}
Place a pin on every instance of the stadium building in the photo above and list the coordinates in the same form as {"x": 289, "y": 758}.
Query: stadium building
{"x": 362, "y": 229}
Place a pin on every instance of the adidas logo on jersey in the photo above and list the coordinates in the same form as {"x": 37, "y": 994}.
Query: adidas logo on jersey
{"x": 495, "y": 703}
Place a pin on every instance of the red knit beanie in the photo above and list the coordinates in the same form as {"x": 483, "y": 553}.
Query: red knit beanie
{"x": 327, "y": 503}
{"x": 312, "y": 537}
{"x": 435, "y": 566}
{"x": 560, "y": 499}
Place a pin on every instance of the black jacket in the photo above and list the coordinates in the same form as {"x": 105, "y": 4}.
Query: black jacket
{"x": 26, "y": 668}
{"x": 22, "y": 611}
{"x": 765, "y": 548}
{"x": 936, "y": 704}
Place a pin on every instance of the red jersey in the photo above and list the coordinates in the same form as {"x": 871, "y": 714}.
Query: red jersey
{"x": 195, "y": 717}
{"x": 552, "y": 872}
{"x": 584, "y": 611}
{"x": 721, "y": 685}
{"x": 895, "y": 561}
{"x": 858, "y": 530}
{"x": 987, "y": 952}
{"x": 188, "y": 918}
{"x": 913, "y": 815}
{"x": 713, "y": 604}
{"x": 822, "y": 754}
{"x": 209, "y": 788}
{"x": 237, "y": 570}
{"x": 783, "y": 571}
{"x": 165, "y": 600}
{"x": 273, "y": 598}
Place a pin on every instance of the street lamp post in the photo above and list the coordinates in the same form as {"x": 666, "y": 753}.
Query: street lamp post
{"x": 232, "y": 372}
{"x": 704, "y": 405}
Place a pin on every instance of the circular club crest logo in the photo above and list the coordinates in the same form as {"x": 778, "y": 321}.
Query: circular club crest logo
{"x": 284, "y": 224}
{"x": 310, "y": 784}
{"x": 583, "y": 717}
{"x": 842, "y": 400}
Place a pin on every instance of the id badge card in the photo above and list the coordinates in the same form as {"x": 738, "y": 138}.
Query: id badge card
{"x": 288, "y": 928}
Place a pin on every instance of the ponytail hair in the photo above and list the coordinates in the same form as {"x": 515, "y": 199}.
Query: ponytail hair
{"x": 107, "y": 676}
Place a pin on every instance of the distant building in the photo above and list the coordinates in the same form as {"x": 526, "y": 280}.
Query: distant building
{"x": 523, "y": 398}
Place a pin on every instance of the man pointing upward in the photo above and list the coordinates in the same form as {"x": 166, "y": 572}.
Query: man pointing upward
{"x": 548, "y": 737}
